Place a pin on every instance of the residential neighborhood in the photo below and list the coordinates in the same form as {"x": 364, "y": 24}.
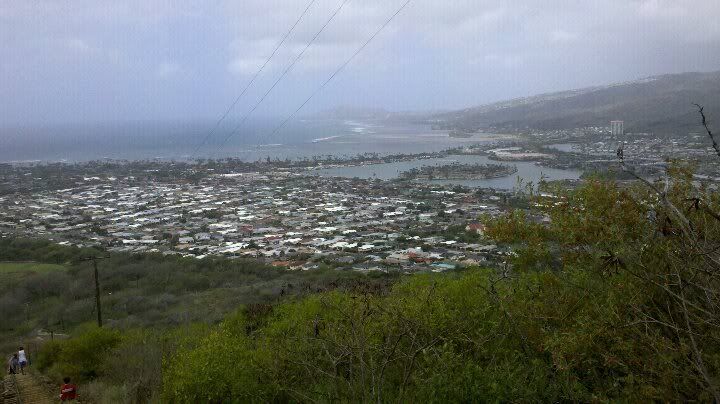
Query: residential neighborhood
{"x": 290, "y": 220}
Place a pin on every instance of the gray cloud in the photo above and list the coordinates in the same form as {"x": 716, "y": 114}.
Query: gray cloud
{"x": 179, "y": 59}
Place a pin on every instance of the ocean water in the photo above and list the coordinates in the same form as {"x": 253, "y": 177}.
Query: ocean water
{"x": 301, "y": 139}
{"x": 527, "y": 172}
{"x": 178, "y": 141}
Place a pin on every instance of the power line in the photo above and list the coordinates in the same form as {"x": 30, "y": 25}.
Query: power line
{"x": 284, "y": 73}
{"x": 341, "y": 68}
{"x": 252, "y": 80}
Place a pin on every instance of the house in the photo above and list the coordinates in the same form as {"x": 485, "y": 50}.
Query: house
{"x": 368, "y": 268}
{"x": 442, "y": 266}
{"x": 477, "y": 228}
{"x": 469, "y": 262}
{"x": 309, "y": 266}
{"x": 347, "y": 259}
{"x": 397, "y": 258}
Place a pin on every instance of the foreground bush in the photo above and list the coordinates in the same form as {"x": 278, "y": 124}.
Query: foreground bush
{"x": 476, "y": 338}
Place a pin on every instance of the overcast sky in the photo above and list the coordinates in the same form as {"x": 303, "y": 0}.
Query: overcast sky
{"x": 96, "y": 60}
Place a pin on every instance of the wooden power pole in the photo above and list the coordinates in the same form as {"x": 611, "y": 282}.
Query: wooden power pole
{"x": 98, "y": 306}
{"x": 97, "y": 294}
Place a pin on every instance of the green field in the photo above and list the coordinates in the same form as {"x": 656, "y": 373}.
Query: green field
{"x": 15, "y": 271}
{"x": 12, "y": 267}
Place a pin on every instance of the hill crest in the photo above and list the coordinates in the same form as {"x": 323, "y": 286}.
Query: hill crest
{"x": 661, "y": 104}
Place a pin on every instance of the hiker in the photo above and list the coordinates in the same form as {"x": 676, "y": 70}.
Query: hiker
{"x": 68, "y": 391}
{"x": 13, "y": 364}
{"x": 22, "y": 359}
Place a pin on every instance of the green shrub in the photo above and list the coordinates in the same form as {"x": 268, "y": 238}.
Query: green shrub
{"x": 222, "y": 368}
{"x": 82, "y": 357}
{"x": 48, "y": 355}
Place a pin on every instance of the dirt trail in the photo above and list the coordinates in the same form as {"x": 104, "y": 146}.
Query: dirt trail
{"x": 32, "y": 391}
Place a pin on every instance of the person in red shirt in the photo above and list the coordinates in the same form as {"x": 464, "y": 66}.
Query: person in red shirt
{"x": 68, "y": 391}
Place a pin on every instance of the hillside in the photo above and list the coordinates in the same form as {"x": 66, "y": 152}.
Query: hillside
{"x": 661, "y": 104}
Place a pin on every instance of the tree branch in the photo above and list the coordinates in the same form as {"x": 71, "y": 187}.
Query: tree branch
{"x": 715, "y": 144}
{"x": 685, "y": 224}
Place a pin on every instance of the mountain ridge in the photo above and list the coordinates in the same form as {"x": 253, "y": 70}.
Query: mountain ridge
{"x": 660, "y": 104}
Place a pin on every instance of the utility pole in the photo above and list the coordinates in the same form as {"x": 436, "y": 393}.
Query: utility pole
{"x": 97, "y": 287}
{"x": 97, "y": 294}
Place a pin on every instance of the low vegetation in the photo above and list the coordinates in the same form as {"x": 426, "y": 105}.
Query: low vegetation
{"x": 459, "y": 172}
{"x": 48, "y": 286}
